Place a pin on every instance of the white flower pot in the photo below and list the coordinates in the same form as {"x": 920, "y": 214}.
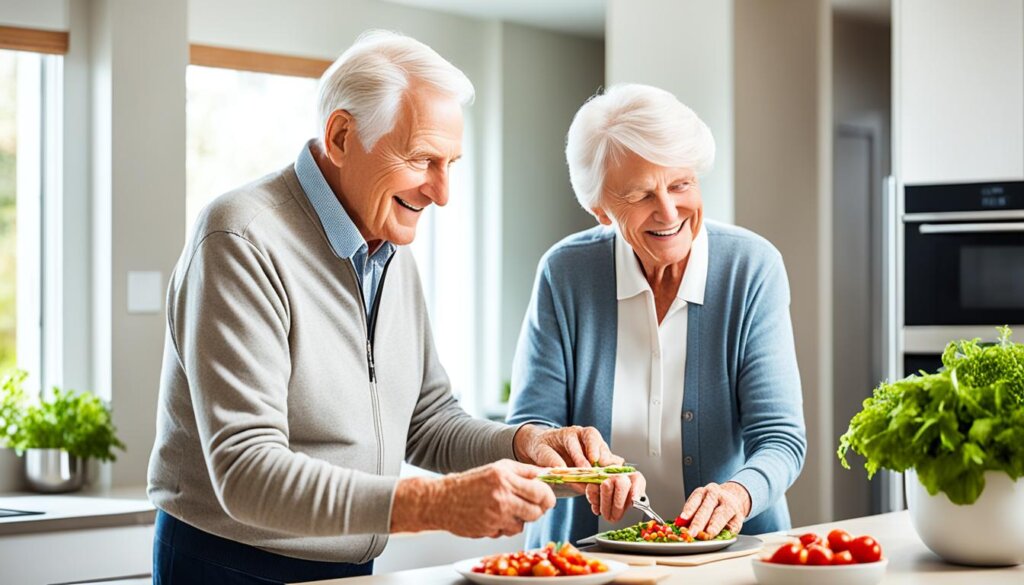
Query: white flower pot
{"x": 989, "y": 532}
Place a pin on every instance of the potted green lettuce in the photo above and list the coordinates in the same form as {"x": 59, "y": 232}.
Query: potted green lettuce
{"x": 959, "y": 435}
{"x": 56, "y": 434}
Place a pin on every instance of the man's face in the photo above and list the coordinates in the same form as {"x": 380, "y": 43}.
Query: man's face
{"x": 387, "y": 189}
{"x": 658, "y": 209}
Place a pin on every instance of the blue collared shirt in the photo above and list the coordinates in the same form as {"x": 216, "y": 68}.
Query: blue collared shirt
{"x": 345, "y": 239}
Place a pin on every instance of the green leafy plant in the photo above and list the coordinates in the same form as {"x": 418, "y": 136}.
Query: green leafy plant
{"x": 951, "y": 426}
{"x": 77, "y": 422}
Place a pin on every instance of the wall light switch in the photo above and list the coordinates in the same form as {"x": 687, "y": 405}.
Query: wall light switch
{"x": 145, "y": 291}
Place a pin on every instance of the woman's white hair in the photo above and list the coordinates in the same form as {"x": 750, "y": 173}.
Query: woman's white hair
{"x": 370, "y": 77}
{"x": 645, "y": 120}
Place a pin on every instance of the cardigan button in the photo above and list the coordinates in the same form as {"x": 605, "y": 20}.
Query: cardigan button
{"x": 688, "y": 415}
{"x": 688, "y": 460}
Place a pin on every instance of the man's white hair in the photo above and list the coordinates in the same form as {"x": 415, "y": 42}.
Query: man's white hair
{"x": 645, "y": 120}
{"x": 370, "y": 77}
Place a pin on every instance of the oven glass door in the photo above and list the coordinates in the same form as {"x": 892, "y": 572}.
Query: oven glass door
{"x": 964, "y": 273}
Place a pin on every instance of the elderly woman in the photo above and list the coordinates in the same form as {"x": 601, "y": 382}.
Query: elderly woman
{"x": 667, "y": 332}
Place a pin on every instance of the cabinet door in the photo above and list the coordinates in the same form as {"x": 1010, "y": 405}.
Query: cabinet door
{"x": 959, "y": 89}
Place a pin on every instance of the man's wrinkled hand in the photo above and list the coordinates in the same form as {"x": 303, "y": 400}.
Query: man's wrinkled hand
{"x": 493, "y": 500}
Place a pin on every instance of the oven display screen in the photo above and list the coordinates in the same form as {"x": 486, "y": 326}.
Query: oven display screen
{"x": 992, "y": 277}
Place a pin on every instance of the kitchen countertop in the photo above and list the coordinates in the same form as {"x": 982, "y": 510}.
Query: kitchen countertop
{"x": 73, "y": 512}
{"x": 910, "y": 562}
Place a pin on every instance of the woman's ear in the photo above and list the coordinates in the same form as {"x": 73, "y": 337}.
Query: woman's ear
{"x": 601, "y": 216}
{"x": 339, "y": 136}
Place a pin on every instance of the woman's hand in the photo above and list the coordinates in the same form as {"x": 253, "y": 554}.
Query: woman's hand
{"x": 614, "y": 496}
{"x": 714, "y": 507}
{"x": 562, "y": 447}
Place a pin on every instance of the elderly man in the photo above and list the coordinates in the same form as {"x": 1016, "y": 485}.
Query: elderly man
{"x": 299, "y": 368}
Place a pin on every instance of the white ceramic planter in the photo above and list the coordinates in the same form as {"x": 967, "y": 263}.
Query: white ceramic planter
{"x": 989, "y": 532}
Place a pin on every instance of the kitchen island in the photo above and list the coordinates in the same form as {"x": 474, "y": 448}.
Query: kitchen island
{"x": 910, "y": 562}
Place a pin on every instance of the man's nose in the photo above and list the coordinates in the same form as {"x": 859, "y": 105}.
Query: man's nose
{"x": 436, "y": 186}
{"x": 666, "y": 211}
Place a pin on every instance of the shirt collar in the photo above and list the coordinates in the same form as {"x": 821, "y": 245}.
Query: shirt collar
{"x": 342, "y": 233}
{"x": 630, "y": 280}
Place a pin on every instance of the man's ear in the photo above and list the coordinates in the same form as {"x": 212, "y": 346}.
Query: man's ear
{"x": 601, "y": 216}
{"x": 339, "y": 136}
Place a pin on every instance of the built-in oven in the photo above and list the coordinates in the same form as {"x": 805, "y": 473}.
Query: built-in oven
{"x": 963, "y": 265}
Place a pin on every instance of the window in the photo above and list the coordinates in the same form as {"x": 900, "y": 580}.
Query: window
{"x": 26, "y": 98}
{"x": 242, "y": 125}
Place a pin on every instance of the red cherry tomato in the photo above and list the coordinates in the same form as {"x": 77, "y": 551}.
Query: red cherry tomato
{"x": 839, "y": 540}
{"x": 681, "y": 522}
{"x": 819, "y": 554}
{"x": 865, "y": 549}
{"x": 843, "y": 558}
{"x": 789, "y": 554}
{"x": 809, "y": 539}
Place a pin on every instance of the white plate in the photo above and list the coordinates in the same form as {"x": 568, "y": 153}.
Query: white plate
{"x": 615, "y": 568}
{"x": 858, "y": 574}
{"x": 663, "y": 548}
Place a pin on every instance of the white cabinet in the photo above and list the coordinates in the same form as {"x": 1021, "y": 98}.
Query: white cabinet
{"x": 959, "y": 90}
{"x": 76, "y": 555}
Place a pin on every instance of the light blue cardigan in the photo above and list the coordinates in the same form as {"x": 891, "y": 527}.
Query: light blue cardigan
{"x": 742, "y": 383}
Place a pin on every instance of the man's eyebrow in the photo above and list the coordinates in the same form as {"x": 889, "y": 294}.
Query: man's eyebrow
{"x": 635, "y": 188}
{"x": 423, "y": 153}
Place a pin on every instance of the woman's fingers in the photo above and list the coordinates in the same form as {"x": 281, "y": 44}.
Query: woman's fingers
{"x": 594, "y": 498}
{"x": 703, "y": 513}
{"x": 621, "y": 501}
{"x": 692, "y": 503}
{"x": 719, "y": 518}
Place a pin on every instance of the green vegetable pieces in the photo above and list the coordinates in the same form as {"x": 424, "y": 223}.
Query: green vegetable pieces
{"x": 561, "y": 475}
{"x": 950, "y": 426}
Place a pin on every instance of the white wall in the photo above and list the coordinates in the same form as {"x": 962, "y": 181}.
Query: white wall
{"x": 783, "y": 192}
{"x": 685, "y": 47}
{"x": 138, "y": 56}
{"x": 546, "y": 77}
{"x": 39, "y": 14}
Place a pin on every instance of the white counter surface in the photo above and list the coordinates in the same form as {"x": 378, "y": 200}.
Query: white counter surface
{"x": 73, "y": 512}
{"x": 910, "y": 562}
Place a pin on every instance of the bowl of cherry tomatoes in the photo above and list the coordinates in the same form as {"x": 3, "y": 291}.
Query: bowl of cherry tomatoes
{"x": 837, "y": 559}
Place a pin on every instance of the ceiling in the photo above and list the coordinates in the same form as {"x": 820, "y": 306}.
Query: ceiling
{"x": 578, "y": 17}
{"x": 586, "y": 17}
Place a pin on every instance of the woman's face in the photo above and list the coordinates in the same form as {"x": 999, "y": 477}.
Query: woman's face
{"x": 658, "y": 209}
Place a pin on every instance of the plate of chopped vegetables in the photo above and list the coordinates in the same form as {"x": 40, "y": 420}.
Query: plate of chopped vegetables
{"x": 564, "y": 562}
{"x": 668, "y": 539}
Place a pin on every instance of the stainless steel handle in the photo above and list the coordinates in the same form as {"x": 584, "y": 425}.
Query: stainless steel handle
{"x": 971, "y": 228}
{"x": 644, "y": 505}
{"x": 984, "y": 215}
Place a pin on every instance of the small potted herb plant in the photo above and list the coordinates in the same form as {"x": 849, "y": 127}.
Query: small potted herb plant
{"x": 56, "y": 434}
{"x": 959, "y": 435}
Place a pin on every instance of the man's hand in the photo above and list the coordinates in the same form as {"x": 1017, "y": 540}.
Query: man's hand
{"x": 714, "y": 507}
{"x": 493, "y": 500}
{"x": 563, "y": 447}
{"x": 614, "y": 496}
